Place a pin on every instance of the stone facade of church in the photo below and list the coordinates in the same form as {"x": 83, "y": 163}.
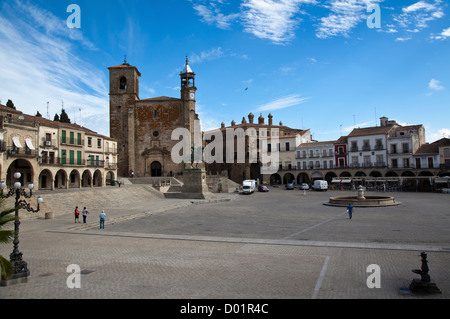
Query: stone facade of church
{"x": 143, "y": 127}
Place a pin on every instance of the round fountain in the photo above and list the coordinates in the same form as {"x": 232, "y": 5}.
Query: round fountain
{"x": 361, "y": 200}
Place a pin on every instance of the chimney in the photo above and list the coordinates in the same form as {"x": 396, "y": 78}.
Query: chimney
{"x": 383, "y": 121}
{"x": 270, "y": 118}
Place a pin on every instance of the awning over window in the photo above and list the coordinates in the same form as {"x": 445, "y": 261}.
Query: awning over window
{"x": 29, "y": 143}
{"x": 17, "y": 142}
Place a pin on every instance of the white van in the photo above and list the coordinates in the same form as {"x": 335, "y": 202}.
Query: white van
{"x": 248, "y": 186}
{"x": 320, "y": 185}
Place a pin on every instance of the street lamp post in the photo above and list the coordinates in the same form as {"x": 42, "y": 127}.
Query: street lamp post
{"x": 20, "y": 266}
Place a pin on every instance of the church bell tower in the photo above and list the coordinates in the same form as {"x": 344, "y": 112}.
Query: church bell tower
{"x": 123, "y": 94}
{"x": 188, "y": 90}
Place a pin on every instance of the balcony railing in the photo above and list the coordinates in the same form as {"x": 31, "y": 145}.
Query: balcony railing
{"x": 368, "y": 164}
{"x": 58, "y": 161}
{"x": 111, "y": 150}
{"x": 72, "y": 141}
{"x": 20, "y": 152}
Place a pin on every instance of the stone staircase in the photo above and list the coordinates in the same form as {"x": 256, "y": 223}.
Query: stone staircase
{"x": 95, "y": 199}
{"x": 161, "y": 184}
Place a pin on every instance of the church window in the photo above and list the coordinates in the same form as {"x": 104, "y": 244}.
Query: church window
{"x": 123, "y": 83}
{"x": 155, "y": 114}
{"x": 155, "y": 133}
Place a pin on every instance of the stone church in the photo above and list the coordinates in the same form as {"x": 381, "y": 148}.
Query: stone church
{"x": 143, "y": 127}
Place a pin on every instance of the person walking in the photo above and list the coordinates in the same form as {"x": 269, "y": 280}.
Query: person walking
{"x": 84, "y": 212}
{"x": 102, "y": 219}
{"x": 77, "y": 214}
{"x": 350, "y": 210}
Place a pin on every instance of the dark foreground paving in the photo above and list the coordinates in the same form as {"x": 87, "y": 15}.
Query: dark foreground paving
{"x": 268, "y": 245}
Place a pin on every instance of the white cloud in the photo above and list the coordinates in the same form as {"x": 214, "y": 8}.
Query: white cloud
{"x": 282, "y": 103}
{"x": 443, "y": 35}
{"x": 277, "y": 20}
{"x": 417, "y": 16}
{"x": 45, "y": 63}
{"x": 274, "y": 20}
{"x": 271, "y": 19}
{"x": 212, "y": 54}
{"x": 400, "y": 39}
{"x": 435, "y": 85}
{"x": 434, "y": 135}
{"x": 345, "y": 15}
{"x": 350, "y": 128}
{"x": 446, "y": 33}
{"x": 215, "y": 16}
{"x": 421, "y": 5}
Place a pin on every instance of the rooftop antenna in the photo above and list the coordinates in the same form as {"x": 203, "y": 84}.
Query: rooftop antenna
{"x": 354, "y": 122}
{"x": 340, "y": 128}
{"x": 376, "y": 122}
{"x": 125, "y": 59}
{"x": 81, "y": 123}
{"x": 48, "y": 114}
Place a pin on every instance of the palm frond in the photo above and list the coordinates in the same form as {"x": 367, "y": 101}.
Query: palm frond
{"x": 6, "y": 268}
{"x": 6, "y": 236}
{"x": 8, "y": 211}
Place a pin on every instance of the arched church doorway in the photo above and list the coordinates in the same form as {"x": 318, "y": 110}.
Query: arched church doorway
{"x": 156, "y": 170}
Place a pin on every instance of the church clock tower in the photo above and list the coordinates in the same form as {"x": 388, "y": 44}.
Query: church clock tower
{"x": 188, "y": 90}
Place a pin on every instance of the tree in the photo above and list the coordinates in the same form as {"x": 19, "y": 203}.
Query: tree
{"x": 6, "y": 236}
{"x": 10, "y": 104}
{"x": 56, "y": 118}
{"x": 64, "y": 118}
{"x": 38, "y": 114}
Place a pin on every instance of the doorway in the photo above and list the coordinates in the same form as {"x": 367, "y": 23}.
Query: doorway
{"x": 155, "y": 169}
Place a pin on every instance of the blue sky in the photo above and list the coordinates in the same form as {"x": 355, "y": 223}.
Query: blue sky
{"x": 312, "y": 64}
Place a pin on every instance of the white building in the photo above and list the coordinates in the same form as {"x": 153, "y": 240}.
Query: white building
{"x": 402, "y": 143}
{"x": 367, "y": 146}
{"x": 315, "y": 155}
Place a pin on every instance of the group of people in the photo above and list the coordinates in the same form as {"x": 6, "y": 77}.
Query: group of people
{"x": 85, "y": 212}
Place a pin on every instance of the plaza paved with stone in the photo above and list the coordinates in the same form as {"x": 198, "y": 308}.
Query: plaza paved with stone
{"x": 276, "y": 245}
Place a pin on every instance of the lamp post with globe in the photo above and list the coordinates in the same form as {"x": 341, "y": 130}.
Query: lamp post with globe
{"x": 20, "y": 266}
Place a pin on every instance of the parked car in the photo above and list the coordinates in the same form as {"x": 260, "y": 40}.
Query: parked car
{"x": 289, "y": 186}
{"x": 263, "y": 188}
{"x": 303, "y": 186}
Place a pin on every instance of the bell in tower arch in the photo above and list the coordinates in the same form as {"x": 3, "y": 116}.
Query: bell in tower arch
{"x": 123, "y": 83}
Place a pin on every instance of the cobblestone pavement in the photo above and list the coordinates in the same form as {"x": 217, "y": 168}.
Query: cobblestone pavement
{"x": 263, "y": 246}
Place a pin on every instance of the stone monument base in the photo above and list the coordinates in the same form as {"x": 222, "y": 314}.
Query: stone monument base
{"x": 419, "y": 286}
{"x": 194, "y": 181}
{"x": 15, "y": 279}
{"x": 185, "y": 195}
{"x": 194, "y": 185}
